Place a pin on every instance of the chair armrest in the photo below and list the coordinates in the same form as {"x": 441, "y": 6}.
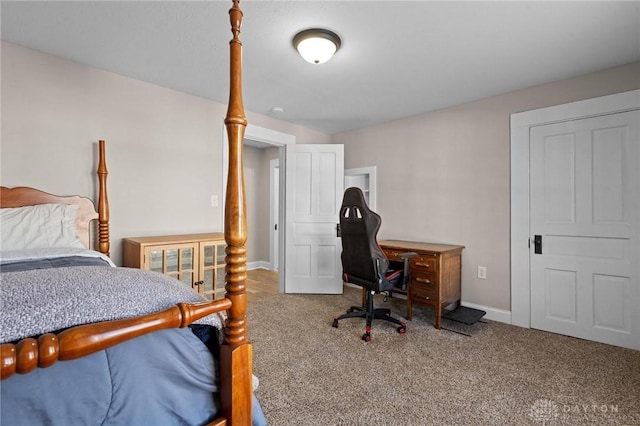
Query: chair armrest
{"x": 408, "y": 255}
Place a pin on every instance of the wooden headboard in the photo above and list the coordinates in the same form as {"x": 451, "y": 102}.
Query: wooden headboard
{"x": 22, "y": 196}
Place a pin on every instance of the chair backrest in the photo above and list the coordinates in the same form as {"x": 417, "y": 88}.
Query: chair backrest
{"x": 362, "y": 258}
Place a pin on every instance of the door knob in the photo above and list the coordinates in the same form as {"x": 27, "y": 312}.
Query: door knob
{"x": 537, "y": 244}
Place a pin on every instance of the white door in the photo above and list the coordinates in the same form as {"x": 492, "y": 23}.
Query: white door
{"x": 585, "y": 194}
{"x": 314, "y": 185}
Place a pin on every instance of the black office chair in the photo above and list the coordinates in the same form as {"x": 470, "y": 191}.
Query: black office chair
{"x": 364, "y": 262}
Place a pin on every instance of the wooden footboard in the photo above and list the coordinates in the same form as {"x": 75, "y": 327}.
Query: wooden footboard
{"x": 86, "y": 339}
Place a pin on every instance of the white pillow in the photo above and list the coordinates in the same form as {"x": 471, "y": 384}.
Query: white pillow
{"x": 41, "y": 226}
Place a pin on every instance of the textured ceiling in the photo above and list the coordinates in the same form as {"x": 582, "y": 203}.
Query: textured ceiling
{"x": 397, "y": 58}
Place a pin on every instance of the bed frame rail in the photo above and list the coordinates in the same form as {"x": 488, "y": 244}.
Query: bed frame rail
{"x": 83, "y": 340}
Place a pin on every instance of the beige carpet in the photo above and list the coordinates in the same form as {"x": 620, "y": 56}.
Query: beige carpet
{"x": 313, "y": 374}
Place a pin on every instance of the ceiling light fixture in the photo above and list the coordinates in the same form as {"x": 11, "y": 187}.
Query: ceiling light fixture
{"x": 316, "y": 45}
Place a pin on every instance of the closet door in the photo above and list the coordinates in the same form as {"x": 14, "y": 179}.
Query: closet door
{"x": 584, "y": 219}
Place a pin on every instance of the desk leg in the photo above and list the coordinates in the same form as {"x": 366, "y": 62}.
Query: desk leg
{"x": 409, "y": 310}
{"x": 438, "y": 314}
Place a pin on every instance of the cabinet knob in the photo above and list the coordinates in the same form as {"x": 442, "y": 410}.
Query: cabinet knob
{"x": 423, "y": 280}
{"x": 422, "y": 264}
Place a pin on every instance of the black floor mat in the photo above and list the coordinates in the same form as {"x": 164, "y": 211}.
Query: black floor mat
{"x": 464, "y": 315}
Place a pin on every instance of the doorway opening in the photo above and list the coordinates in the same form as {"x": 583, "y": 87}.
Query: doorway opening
{"x": 262, "y": 140}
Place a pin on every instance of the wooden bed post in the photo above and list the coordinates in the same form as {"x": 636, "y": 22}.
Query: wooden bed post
{"x": 235, "y": 353}
{"x": 103, "y": 202}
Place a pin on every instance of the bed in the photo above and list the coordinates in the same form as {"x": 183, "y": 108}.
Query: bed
{"x": 85, "y": 342}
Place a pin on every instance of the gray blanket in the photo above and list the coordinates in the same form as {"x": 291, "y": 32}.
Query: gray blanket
{"x": 40, "y": 301}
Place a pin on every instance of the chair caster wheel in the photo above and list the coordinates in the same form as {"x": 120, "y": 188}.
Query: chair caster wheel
{"x": 335, "y": 323}
{"x": 402, "y": 329}
{"x": 366, "y": 337}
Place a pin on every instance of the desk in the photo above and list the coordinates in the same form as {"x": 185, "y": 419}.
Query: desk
{"x": 435, "y": 273}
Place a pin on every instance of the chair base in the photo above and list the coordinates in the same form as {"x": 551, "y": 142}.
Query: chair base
{"x": 370, "y": 314}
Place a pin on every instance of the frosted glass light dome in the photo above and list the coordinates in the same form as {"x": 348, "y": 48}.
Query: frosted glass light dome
{"x": 316, "y": 45}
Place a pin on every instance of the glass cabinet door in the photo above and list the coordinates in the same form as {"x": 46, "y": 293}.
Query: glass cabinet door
{"x": 176, "y": 260}
{"x": 212, "y": 273}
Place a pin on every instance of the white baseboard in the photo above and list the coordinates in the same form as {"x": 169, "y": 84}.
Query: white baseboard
{"x": 493, "y": 314}
{"x": 259, "y": 264}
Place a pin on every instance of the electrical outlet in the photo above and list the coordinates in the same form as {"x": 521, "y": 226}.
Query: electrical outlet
{"x": 214, "y": 201}
{"x": 482, "y": 272}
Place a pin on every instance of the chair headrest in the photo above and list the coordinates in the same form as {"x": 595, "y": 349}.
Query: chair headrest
{"x": 357, "y": 217}
{"x": 354, "y": 205}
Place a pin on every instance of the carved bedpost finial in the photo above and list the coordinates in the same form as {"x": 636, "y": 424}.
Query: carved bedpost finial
{"x": 235, "y": 109}
{"x": 236, "y": 19}
{"x": 103, "y": 202}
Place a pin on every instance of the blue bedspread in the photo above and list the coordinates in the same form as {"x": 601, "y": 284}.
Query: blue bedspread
{"x": 164, "y": 378}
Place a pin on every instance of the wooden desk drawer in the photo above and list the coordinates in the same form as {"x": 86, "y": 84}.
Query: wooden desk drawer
{"x": 424, "y": 263}
{"x": 424, "y": 287}
{"x": 423, "y": 294}
{"x": 424, "y": 279}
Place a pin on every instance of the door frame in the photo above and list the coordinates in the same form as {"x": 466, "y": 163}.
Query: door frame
{"x": 273, "y": 138}
{"x": 521, "y": 123}
{"x": 275, "y": 192}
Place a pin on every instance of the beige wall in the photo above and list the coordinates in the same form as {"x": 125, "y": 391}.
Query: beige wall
{"x": 164, "y": 148}
{"x": 444, "y": 176}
